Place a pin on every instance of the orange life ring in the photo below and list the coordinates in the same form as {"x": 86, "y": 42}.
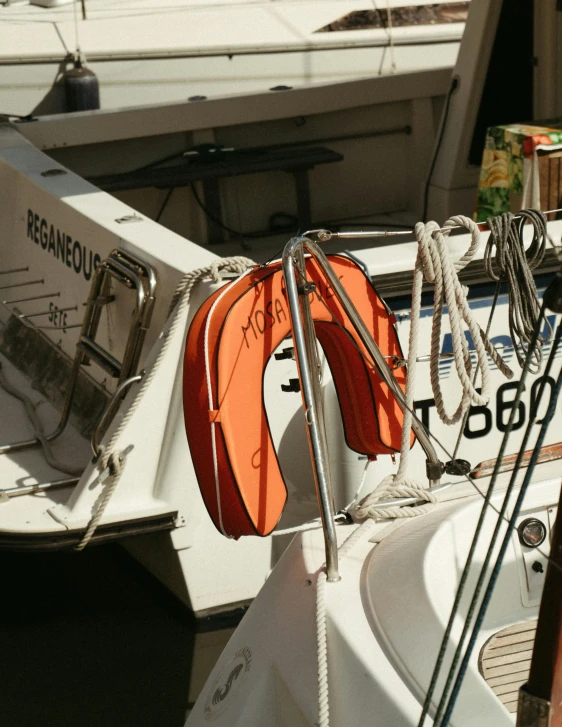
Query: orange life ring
{"x": 229, "y": 343}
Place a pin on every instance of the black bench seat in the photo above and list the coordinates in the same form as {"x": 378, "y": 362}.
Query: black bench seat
{"x": 210, "y": 164}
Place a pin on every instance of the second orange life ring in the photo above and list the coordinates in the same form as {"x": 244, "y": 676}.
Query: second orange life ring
{"x": 229, "y": 344}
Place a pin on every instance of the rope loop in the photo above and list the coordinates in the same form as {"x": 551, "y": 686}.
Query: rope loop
{"x": 391, "y": 487}
{"x": 506, "y": 260}
{"x": 435, "y": 265}
{"x": 236, "y": 264}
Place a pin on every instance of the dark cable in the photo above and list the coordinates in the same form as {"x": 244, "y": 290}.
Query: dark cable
{"x": 452, "y": 89}
{"x": 487, "y": 503}
{"x": 158, "y": 162}
{"x": 164, "y": 204}
{"x": 237, "y": 233}
{"x": 507, "y": 537}
{"x": 495, "y": 535}
{"x": 512, "y": 264}
{"x": 275, "y": 256}
{"x": 216, "y": 220}
{"x": 468, "y": 564}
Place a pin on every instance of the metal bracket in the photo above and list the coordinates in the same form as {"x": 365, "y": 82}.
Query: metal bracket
{"x": 293, "y": 385}
{"x": 286, "y": 353}
{"x": 459, "y": 467}
{"x": 434, "y": 470}
{"x": 306, "y": 288}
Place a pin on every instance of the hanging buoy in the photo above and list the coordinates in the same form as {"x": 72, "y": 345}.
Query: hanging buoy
{"x": 229, "y": 343}
{"x": 82, "y": 88}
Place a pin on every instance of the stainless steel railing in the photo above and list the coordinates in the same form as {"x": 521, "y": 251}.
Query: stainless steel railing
{"x": 306, "y": 354}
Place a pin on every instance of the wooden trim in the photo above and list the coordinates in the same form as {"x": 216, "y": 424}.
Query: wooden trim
{"x": 547, "y": 454}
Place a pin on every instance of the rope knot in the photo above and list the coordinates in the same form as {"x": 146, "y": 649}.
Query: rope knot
{"x": 115, "y": 464}
{"x": 110, "y": 458}
{"x": 427, "y": 259}
{"x": 395, "y": 486}
{"x": 236, "y": 264}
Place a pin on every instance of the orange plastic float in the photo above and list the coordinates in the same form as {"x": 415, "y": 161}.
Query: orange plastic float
{"x": 229, "y": 344}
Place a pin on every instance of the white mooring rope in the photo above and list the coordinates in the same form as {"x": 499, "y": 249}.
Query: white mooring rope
{"x": 213, "y": 424}
{"x": 322, "y": 651}
{"x": 112, "y": 460}
{"x": 363, "y": 531}
{"x": 434, "y": 264}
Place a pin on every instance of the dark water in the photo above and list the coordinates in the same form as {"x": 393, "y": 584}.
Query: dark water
{"x": 90, "y": 639}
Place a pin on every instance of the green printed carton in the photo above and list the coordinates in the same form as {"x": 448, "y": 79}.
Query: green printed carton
{"x": 509, "y": 176}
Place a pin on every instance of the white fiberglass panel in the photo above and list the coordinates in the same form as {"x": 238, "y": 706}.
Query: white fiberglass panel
{"x": 412, "y": 579}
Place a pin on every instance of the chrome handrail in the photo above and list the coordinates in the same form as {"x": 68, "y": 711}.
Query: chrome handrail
{"x": 135, "y": 273}
{"x": 7, "y": 494}
{"x": 306, "y": 354}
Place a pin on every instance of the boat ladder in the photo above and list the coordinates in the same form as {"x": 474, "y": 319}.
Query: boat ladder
{"x": 131, "y": 271}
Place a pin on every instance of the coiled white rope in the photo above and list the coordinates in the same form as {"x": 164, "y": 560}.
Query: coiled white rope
{"x": 111, "y": 461}
{"x": 398, "y": 485}
{"x": 435, "y": 265}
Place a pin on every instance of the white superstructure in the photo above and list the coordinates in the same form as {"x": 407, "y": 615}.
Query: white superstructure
{"x": 144, "y": 52}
